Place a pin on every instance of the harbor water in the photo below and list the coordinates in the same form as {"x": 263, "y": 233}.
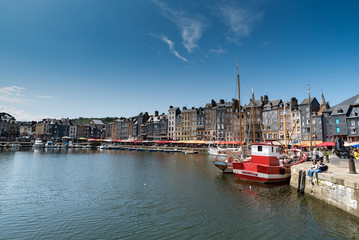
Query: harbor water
{"x": 84, "y": 194}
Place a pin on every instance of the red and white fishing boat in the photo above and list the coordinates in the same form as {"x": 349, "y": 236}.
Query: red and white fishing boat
{"x": 266, "y": 164}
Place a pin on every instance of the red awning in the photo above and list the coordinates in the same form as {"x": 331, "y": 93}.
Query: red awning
{"x": 228, "y": 142}
{"x": 326, "y": 144}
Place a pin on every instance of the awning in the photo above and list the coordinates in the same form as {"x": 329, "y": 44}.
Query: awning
{"x": 228, "y": 142}
{"x": 326, "y": 144}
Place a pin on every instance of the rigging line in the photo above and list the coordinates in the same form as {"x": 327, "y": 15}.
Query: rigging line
{"x": 245, "y": 84}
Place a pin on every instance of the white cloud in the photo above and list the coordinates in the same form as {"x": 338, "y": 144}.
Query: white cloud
{"x": 14, "y": 97}
{"x": 44, "y": 97}
{"x": 191, "y": 26}
{"x": 19, "y": 95}
{"x": 172, "y": 49}
{"x": 240, "y": 19}
{"x": 14, "y": 94}
{"x": 219, "y": 50}
{"x": 11, "y": 91}
{"x": 21, "y": 115}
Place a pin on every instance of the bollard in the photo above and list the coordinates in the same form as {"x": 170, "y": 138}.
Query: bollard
{"x": 302, "y": 182}
{"x": 351, "y": 165}
{"x": 299, "y": 180}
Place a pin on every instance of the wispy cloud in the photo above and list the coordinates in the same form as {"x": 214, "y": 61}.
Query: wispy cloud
{"x": 241, "y": 19}
{"x": 266, "y": 43}
{"x": 11, "y": 91}
{"x": 219, "y": 50}
{"x": 172, "y": 49}
{"x": 14, "y": 94}
{"x": 44, "y": 97}
{"x": 191, "y": 26}
{"x": 19, "y": 95}
{"x": 21, "y": 115}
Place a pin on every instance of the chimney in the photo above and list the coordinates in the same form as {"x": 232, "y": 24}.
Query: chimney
{"x": 261, "y": 99}
{"x": 156, "y": 113}
{"x": 266, "y": 98}
{"x": 213, "y": 103}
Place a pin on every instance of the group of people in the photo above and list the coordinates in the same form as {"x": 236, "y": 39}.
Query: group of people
{"x": 317, "y": 168}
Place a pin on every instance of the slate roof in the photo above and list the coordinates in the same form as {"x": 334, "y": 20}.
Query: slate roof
{"x": 98, "y": 122}
{"x": 343, "y": 107}
{"x": 306, "y": 101}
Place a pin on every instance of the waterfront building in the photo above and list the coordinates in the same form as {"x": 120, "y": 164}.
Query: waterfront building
{"x": 108, "y": 130}
{"x": 73, "y": 130}
{"x": 231, "y": 119}
{"x": 295, "y": 119}
{"x": 220, "y": 120}
{"x": 200, "y": 124}
{"x": 178, "y": 128}
{"x": 342, "y": 120}
{"x": 122, "y": 128}
{"x": 97, "y": 123}
{"x": 192, "y": 123}
{"x": 210, "y": 125}
{"x": 141, "y": 125}
{"x": 173, "y": 112}
{"x": 270, "y": 117}
{"x": 185, "y": 119}
{"x": 8, "y": 126}
{"x": 156, "y": 127}
{"x": 305, "y": 118}
{"x": 41, "y": 129}
{"x": 27, "y": 128}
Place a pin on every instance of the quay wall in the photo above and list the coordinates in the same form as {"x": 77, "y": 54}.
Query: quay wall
{"x": 336, "y": 187}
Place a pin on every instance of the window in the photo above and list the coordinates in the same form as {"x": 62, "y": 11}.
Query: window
{"x": 337, "y": 121}
{"x": 353, "y": 123}
{"x": 259, "y": 148}
{"x": 338, "y": 129}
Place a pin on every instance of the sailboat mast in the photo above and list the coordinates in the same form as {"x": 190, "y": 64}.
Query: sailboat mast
{"x": 310, "y": 122}
{"x": 253, "y": 117}
{"x": 239, "y": 108}
{"x": 285, "y": 128}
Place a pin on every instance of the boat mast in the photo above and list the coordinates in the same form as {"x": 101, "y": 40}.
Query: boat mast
{"x": 254, "y": 134}
{"x": 310, "y": 121}
{"x": 239, "y": 108}
{"x": 285, "y": 129}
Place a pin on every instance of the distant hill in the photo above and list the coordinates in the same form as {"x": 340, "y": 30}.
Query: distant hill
{"x": 105, "y": 120}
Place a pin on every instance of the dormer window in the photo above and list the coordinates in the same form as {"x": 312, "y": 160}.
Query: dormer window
{"x": 340, "y": 110}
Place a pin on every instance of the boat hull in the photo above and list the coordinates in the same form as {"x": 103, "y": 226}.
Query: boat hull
{"x": 224, "y": 166}
{"x": 261, "y": 173}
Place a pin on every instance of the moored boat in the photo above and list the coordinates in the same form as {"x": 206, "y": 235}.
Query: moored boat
{"x": 265, "y": 165}
{"x": 49, "y": 144}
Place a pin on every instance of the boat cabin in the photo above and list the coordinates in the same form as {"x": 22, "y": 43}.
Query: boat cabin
{"x": 265, "y": 154}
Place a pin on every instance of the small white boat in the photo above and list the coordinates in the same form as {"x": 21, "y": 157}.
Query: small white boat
{"x": 218, "y": 151}
{"x": 15, "y": 145}
{"x": 38, "y": 143}
{"x": 49, "y": 144}
{"x": 106, "y": 146}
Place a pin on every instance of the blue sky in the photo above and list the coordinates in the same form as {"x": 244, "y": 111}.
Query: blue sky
{"x": 98, "y": 58}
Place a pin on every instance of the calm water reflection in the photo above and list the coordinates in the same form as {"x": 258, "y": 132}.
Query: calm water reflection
{"x": 129, "y": 195}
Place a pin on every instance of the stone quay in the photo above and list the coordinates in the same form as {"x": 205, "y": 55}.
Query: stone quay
{"x": 336, "y": 187}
